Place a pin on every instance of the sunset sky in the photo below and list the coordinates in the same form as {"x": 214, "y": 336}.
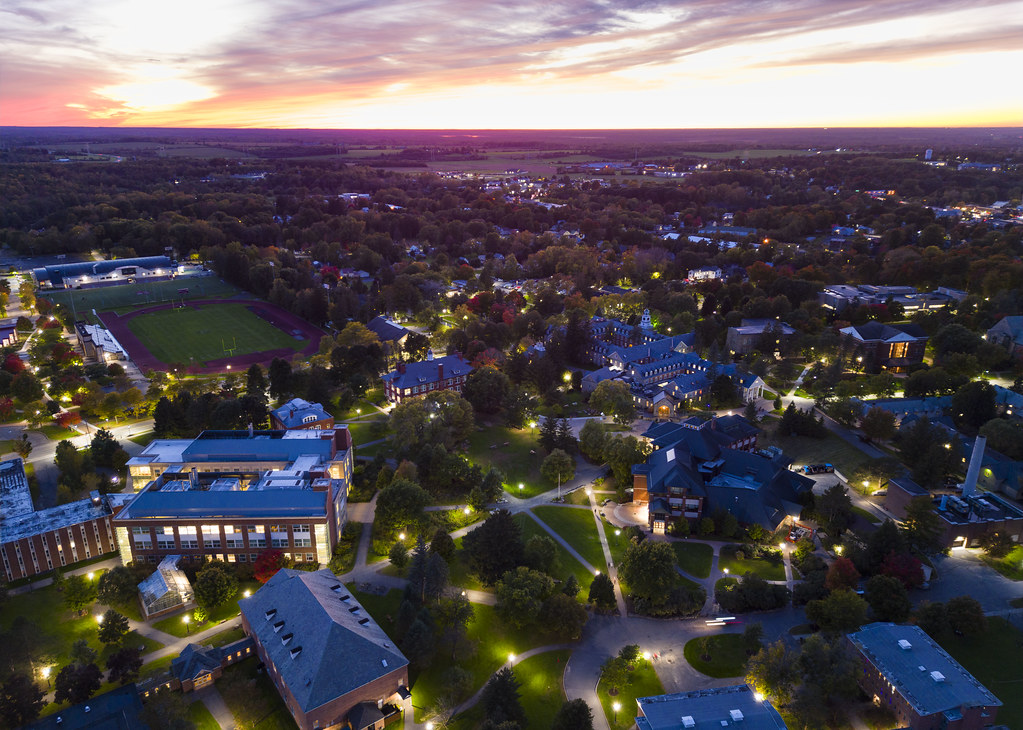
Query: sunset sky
{"x": 482, "y": 64}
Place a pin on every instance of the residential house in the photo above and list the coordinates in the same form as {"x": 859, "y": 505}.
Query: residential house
{"x": 229, "y": 495}
{"x": 300, "y": 414}
{"x": 904, "y": 670}
{"x": 413, "y": 379}
{"x": 331, "y": 663}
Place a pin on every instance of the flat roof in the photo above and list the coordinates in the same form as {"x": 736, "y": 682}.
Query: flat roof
{"x": 54, "y": 518}
{"x": 273, "y": 446}
{"x": 197, "y": 504}
{"x": 708, "y": 708}
{"x": 922, "y": 672}
{"x": 15, "y": 496}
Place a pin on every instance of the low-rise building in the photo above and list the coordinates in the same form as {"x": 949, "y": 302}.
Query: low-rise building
{"x": 231, "y": 494}
{"x": 1008, "y": 332}
{"x": 755, "y": 333}
{"x": 9, "y": 335}
{"x": 705, "y": 273}
{"x": 298, "y": 413}
{"x": 906, "y": 671}
{"x": 413, "y": 379}
{"x": 118, "y": 709}
{"x": 90, "y": 274}
{"x": 198, "y": 665}
{"x": 33, "y": 542}
{"x": 330, "y": 661}
{"x": 99, "y": 343}
{"x": 735, "y": 706}
{"x": 388, "y": 331}
{"x": 892, "y": 347}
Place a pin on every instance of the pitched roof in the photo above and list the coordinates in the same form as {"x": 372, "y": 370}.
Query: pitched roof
{"x": 297, "y": 412}
{"x": 876, "y": 331}
{"x": 323, "y": 644}
{"x": 386, "y": 330}
{"x": 428, "y": 371}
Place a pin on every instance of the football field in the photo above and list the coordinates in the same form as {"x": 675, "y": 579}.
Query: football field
{"x": 192, "y": 335}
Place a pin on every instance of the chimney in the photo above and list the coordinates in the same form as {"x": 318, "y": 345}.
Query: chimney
{"x": 440, "y": 371}
{"x": 970, "y": 485}
{"x": 250, "y": 429}
{"x": 401, "y": 366}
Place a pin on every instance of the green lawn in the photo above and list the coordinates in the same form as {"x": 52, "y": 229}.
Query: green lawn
{"x": 252, "y": 698}
{"x": 226, "y": 637}
{"x": 176, "y": 626}
{"x": 694, "y": 557}
{"x": 143, "y": 439}
{"x": 643, "y": 682}
{"x": 578, "y": 496}
{"x": 805, "y": 450}
{"x": 366, "y": 431}
{"x": 201, "y": 717}
{"x": 766, "y": 569}
{"x": 56, "y": 433}
{"x": 569, "y": 565}
{"x": 196, "y": 335}
{"x": 727, "y": 658}
{"x": 1011, "y": 566}
{"x": 542, "y": 694}
{"x": 128, "y": 297}
{"x": 579, "y": 530}
{"x": 993, "y": 658}
{"x": 868, "y": 516}
{"x": 515, "y": 461}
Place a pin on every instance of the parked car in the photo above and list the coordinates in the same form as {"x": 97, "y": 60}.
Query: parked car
{"x": 818, "y": 469}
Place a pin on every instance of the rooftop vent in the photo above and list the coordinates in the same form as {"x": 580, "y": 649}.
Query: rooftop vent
{"x": 296, "y": 651}
{"x": 937, "y": 676}
{"x": 688, "y": 721}
{"x": 278, "y": 626}
{"x": 336, "y": 587}
{"x": 271, "y": 613}
{"x": 286, "y": 638}
{"x": 353, "y": 609}
{"x": 363, "y": 621}
{"x": 922, "y": 668}
{"x": 384, "y": 662}
{"x": 905, "y": 645}
{"x": 736, "y": 715}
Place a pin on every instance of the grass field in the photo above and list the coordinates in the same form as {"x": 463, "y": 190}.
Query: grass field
{"x": 694, "y": 557}
{"x": 541, "y": 690}
{"x": 196, "y": 335}
{"x": 642, "y": 682}
{"x": 1011, "y": 566}
{"x": 766, "y": 569}
{"x": 514, "y": 460}
{"x": 578, "y": 529}
{"x": 993, "y": 658}
{"x": 569, "y": 565}
{"x": 131, "y": 296}
{"x": 201, "y": 717}
{"x": 805, "y": 450}
{"x": 727, "y": 657}
{"x": 175, "y": 625}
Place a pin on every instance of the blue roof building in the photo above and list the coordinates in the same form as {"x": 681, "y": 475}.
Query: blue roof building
{"x": 414, "y": 379}
{"x": 735, "y": 706}
{"x": 300, "y": 414}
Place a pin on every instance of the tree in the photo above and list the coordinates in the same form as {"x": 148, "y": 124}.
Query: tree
{"x": 398, "y": 555}
{"x": 113, "y": 627}
{"x": 486, "y": 389}
{"x": 494, "y": 547}
{"x": 996, "y": 543}
{"x": 558, "y": 467}
{"x": 752, "y": 636}
{"x": 22, "y": 446}
{"x": 541, "y": 553}
{"x": 79, "y": 592}
{"x": 973, "y": 405}
{"x": 443, "y": 544}
{"x": 549, "y": 434}
{"x": 623, "y": 452}
{"x": 117, "y": 586}
{"x": 520, "y": 595}
{"x": 772, "y": 672}
{"x": 124, "y": 664}
{"x": 400, "y": 505}
{"x": 76, "y": 683}
{"x": 602, "y": 593}
{"x": 268, "y": 562}
{"x": 834, "y": 508}
{"x": 215, "y": 584}
{"x": 614, "y": 673}
{"x": 932, "y": 617}
{"x": 904, "y": 567}
{"x": 922, "y": 526}
{"x": 563, "y": 617}
{"x": 878, "y": 424}
{"x": 573, "y": 715}
{"x": 419, "y": 641}
{"x": 888, "y": 599}
{"x": 21, "y": 700}
{"x": 885, "y": 540}
{"x": 570, "y": 587}
{"x": 453, "y": 615}
{"x": 280, "y": 378}
{"x": 103, "y": 448}
{"x": 26, "y": 387}
{"x": 614, "y": 398}
{"x": 842, "y": 574}
{"x": 500, "y": 698}
{"x": 592, "y": 439}
{"x": 966, "y": 616}
{"x": 840, "y": 613}
{"x": 255, "y": 382}
{"x": 649, "y": 569}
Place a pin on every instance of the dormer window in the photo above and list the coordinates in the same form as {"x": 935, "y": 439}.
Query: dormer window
{"x": 271, "y": 613}
{"x": 278, "y": 626}
{"x": 295, "y": 652}
{"x": 286, "y": 638}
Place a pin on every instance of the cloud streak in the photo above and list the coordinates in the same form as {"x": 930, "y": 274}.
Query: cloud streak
{"x": 265, "y": 55}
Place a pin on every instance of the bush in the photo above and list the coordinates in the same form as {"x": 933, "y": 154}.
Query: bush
{"x": 751, "y": 593}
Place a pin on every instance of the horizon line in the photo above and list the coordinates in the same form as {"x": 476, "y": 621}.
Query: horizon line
{"x": 519, "y": 129}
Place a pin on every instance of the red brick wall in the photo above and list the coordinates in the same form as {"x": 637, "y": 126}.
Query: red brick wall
{"x": 83, "y": 535}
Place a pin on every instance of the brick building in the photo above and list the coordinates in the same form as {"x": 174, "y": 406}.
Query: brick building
{"x": 33, "y": 542}
{"x": 299, "y": 413}
{"x": 231, "y": 494}
{"x": 329, "y": 660}
{"x": 904, "y": 670}
{"x": 413, "y": 379}
{"x": 891, "y": 347}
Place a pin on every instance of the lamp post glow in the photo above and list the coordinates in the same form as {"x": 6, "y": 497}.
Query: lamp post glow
{"x": 187, "y": 620}
{"x": 247, "y": 593}
{"x": 46, "y": 675}
{"x": 511, "y": 658}
{"x": 466, "y": 510}
{"x": 616, "y": 706}
{"x": 90, "y": 576}
{"x": 726, "y": 570}
{"x": 401, "y": 535}
{"x": 99, "y": 618}
{"x": 838, "y": 549}
{"x": 521, "y": 485}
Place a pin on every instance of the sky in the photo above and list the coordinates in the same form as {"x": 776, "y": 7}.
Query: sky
{"x": 480, "y": 64}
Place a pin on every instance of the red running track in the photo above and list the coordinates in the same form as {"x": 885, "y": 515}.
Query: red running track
{"x": 279, "y": 318}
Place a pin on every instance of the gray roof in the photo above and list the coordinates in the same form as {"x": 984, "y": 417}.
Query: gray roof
{"x": 709, "y": 708}
{"x": 294, "y": 413}
{"x": 928, "y": 678}
{"x": 17, "y": 518}
{"x": 57, "y": 272}
{"x": 15, "y": 496}
{"x": 197, "y": 659}
{"x": 428, "y": 371}
{"x": 261, "y": 446}
{"x": 386, "y": 330}
{"x": 118, "y": 709}
{"x": 342, "y": 647}
{"x": 190, "y": 504}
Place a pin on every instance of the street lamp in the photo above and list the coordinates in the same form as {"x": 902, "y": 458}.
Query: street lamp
{"x": 616, "y": 706}
{"x": 90, "y": 576}
{"x": 99, "y": 618}
{"x": 725, "y": 570}
{"x": 838, "y": 549}
{"x": 46, "y": 675}
{"x": 511, "y": 658}
{"x": 187, "y": 620}
{"x": 521, "y": 485}
{"x": 466, "y": 510}
{"x": 401, "y": 535}
{"x": 247, "y": 593}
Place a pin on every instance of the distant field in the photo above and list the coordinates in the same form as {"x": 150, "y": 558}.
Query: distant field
{"x": 192, "y": 335}
{"x": 132, "y": 296}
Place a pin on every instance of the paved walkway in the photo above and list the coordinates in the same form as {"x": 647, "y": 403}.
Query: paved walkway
{"x": 214, "y": 702}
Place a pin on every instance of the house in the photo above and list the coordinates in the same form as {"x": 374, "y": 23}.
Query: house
{"x": 118, "y": 709}
{"x": 708, "y": 709}
{"x": 198, "y": 665}
{"x": 9, "y": 335}
{"x": 33, "y": 542}
{"x": 1008, "y": 332}
{"x": 298, "y": 414}
{"x": 413, "y": 379}
{"x": 705, "y": 273}
{"x": 330, "y": 661}
{"x": 906, "y": 671}
{"x": 229, "y": 495}
{"x": 892, "y": 347}
{"x": 98, "y": 343}
{"x": 752, "y": 332}
{"x": 388, "y": 331}
{"x": 700, "y": 467}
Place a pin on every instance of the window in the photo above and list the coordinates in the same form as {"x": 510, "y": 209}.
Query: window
{"x": 301, "y": 535}
{"x": 243, "y": 558}
{"x": 188, "y": 536}
{"x": 211, "y": 536}
{"x": 257, "y": 536}
{"x": 233, "y": 535}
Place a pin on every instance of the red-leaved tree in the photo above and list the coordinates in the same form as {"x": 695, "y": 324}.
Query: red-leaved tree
{"x": 905, "y": 567}
{"x": 268, "y": 563}
{"x": 842, "y": 574}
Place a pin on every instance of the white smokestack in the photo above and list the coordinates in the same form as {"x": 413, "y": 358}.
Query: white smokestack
{"x": 970, "y": 485}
